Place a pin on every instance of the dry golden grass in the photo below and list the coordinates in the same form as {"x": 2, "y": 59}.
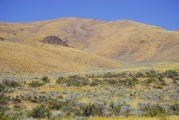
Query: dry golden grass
{"x": 19, "y": 58}
{"x": 134, "y": 118}
{"x": 120, "y": 40}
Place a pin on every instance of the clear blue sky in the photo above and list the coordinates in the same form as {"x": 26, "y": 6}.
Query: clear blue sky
{"x": 163, "y": 13}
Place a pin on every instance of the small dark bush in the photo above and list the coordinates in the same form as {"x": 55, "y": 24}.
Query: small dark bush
{"x": 4, "y": 100}
{"x": 108, "y": 75}
{"x": 92, "y": 110}
{"x": 61, "y": 80}
{"x": 36, "y": 84}
{"x": 150, "y": 80}
{"x": 2, "y": 87}
{"x": 55, "y": 104}
{"x": 16, "y": 100}
{"x": 46, "y": 79}
{"x": 10, "y": 83}
{"x": 154, "y": 110}
{"x": 139, "y": 74}
{"x": 115, "y": 108}
{"x": 171, "y": 73}
{"x": 158, "y": 87}
{"x": 112, "y": 82}
{"x": 175, "y": 109}
{"x": 95, "y": 82}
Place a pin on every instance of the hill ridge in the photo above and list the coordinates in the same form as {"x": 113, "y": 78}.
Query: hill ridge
{"x": 122, "y": 40}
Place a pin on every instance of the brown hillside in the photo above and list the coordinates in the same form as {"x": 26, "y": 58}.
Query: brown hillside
{"x": 19, "y": 58}
{"x": 125, "y": 41}
{"x": 122, "y": 40}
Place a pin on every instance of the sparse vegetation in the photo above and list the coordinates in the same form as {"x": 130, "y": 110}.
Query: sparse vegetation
{"x": 40, "y": 112}
{"x": 105, "y": 95}
{"x": 36, "y": 84}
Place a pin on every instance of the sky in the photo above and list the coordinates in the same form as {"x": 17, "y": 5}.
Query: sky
{"x": 163, "y": 13}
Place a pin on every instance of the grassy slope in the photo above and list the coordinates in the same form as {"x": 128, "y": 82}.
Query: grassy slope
{"x": 134, "y": 118}
{"x": 122, "y": 40}
{"x": 125, "y": 41}
{"x": 19, "y": 58}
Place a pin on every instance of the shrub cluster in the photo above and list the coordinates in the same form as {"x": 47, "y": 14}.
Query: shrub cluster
{"x": 36, "y": 84}
{"x": 40, "y": 111}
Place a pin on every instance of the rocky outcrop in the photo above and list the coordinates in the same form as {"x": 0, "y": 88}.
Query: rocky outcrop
{"x": 2, "y": 39}
{"x": 54, "y": 40}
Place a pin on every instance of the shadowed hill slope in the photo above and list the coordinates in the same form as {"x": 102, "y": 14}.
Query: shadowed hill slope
{"x": 54, "y": 40}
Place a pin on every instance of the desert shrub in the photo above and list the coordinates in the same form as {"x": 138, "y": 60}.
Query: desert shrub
{"x": 40, "y": 111}
{"x": 174, "y": 81}
{"x": 161, "y": 80}
{"x": 78, "y": 110}
{"x": 45, "y": 79}
{"x": 17, "y": 106}
{"x": 98, "y": 76}
{"x": 129, "y": 82}
{"x": 171, "y": 73}
{"x": 17, "y": 115}
{"x": 36, "y": 78}
{"x": 92, "y": 110}
{"x": 159, "y": 87}
{"x": 10, "y": 83}
{"x": 55, "y": 104}
{"x": 111, "y": 81}
{"x": 175, "y": 109}
{"x": 108, "y": 75}
{"x": 33, "y": 99}
{"x": 84, "y": 82}
{"x": 16, "y": 100}
{"x": 3, "y": 108}
{"x": 36, "y": 84}
{"x": 150, "y": 80}
{"x": 4, "y": 117}
{"x": 61, "y": 80}
{"x": 153, "y": 73}
{"x": 154, "y": 110}
{"x": 95, "y": 82}
{"x": 115, "y": 108}
{"x": 2, "y": 87}
{"x": 135, "y": 79}
{"x": 139, "y": 74}
{"x": 60, "y": 96}
{"x": 4, "y": 100}
{"x": 74, "y": 80}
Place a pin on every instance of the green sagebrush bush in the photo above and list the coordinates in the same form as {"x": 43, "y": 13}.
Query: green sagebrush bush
{"x": 45, "y": 79}
{"x": 36, "y": 84}
{"x": 40, "y": 111}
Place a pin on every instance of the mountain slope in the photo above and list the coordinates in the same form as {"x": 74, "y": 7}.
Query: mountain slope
{"x": 18, "y": 58}
{"x": 124, "y": 41}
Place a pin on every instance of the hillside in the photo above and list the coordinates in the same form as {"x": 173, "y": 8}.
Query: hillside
{"x": 124, "y": 41}
{"x": 18, "y": 58}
